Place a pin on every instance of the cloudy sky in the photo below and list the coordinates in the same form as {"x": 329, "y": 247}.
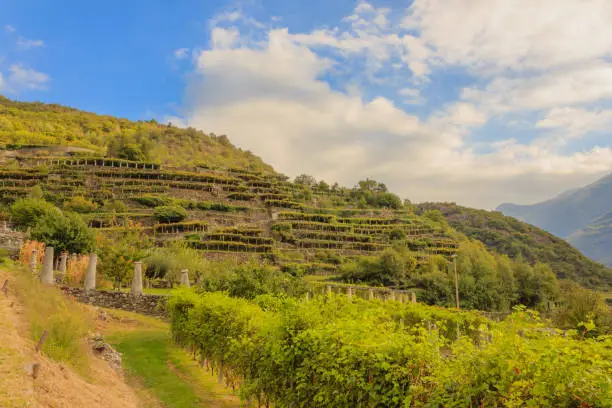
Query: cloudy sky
{"x": 474, "y": 101}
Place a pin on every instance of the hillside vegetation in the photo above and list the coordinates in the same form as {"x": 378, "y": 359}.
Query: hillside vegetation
{"x": 38, "y": 124}
{"x": 581, "y": 216}
{"x": 199, "y": 215}
{"x": 517, "y": 239}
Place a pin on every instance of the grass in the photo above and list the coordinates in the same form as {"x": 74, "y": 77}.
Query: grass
{"x": 46, "y": 309}
{"x": 153, "y": 362}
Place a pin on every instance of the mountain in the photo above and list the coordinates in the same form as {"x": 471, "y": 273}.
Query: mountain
{"x": 517, "y": 239}
{"x": 581, "y": 215}
{"x": 24, "y": 124}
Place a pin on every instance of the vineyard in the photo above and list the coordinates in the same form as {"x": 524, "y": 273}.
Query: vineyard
{"x": 348, "y": 352}
{"x": 226, "y": 210}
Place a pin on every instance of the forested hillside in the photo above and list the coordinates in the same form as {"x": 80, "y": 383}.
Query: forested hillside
{"x": 38, "y": 124}
{"x": 517, "y": 239}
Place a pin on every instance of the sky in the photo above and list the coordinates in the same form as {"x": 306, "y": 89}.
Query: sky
{"x": 477, "y": 102}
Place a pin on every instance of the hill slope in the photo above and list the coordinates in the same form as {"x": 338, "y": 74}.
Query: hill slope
{"x": 38, "y": 124}
{"x": 578, "y": 215}
{"x": 510, "y": 236}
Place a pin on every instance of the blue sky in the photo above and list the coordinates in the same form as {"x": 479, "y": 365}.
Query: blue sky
{"x": 474, "y": 101}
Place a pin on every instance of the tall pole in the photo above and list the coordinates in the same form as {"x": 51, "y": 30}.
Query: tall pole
{"x": 456, "y": 281}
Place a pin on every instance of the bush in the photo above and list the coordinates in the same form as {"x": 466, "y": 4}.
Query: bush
{"x": 169, "y": 214}
{"x": 153, "y": 201}
{"x": 80, "y": 204}
{"x": 26, "y": 212}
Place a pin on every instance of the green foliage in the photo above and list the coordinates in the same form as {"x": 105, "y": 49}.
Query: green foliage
{"x": 80, "y": 204}
{"x": 27, "y": 211}
{"x": 64, "y": 232}
{"x": 169, "y": 214}
{"x": 23, "y": 123}
{"x": 153, "y": 201}
{"x": 518, "y": 240}
{"x": 390, "y": 268}
{"x": 249, "y": 280}
{"x": 375, "y": 194}
{"x": 582, "y": 305}
{"x": 119, "y": 251}
{"x": 337, "y": 352}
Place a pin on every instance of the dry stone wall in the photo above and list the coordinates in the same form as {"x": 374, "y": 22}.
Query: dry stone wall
{"x": 147, "y": 304}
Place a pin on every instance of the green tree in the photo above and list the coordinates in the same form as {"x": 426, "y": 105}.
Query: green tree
{"x": 169, "y": 214}
{"x": 64, "y": 232}
{"x": 26, "y": 212}
{"x": 118, "y": 252}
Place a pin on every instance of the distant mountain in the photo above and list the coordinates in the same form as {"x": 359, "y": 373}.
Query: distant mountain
{"x": 583, "y": 216}
{"x": 517, "y": 239}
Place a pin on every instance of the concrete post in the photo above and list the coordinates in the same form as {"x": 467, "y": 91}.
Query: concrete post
{"x": 63, "y": 264}
{"x": 4, "y": 226}
{"x": 33, "y": 261}
{"x": 90, "y": 278}
{"x": 349, "y": 292}
{"x": 371, "y": 294}
{"x": 46, "y": 276}
{"x": 392, "y": 296}
{"x": 307, "y": 296}
{"x": 185, "y": 278}
{"x": 413, "y": 299}
{"x": 137, "y": 280}
{"x": 329, "y": 290}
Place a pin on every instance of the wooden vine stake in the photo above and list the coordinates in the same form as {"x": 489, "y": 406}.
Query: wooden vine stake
{"x": 5, "y": 288}
{"x": 42, "y": 340}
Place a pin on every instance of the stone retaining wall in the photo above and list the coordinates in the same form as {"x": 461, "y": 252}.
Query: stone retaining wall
{"x": 151, "y": 305}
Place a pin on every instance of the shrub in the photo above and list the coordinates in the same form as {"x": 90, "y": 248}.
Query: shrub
{"x": 169, "y": 214}
{"x": 153, "y": 201}
{"x": 26, "y": 212}
{"x": 80, "y": 204}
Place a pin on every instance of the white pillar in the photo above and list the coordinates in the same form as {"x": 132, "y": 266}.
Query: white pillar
{"x": 137, "y": 280}
{"x": 371, "y": 294}
{"x": 90, "y": 278}
{"x": 185, "y": 278}
{"x": 46, "y": 276}
{"x": 413, "y": 298}
{"x": 349, "y": 292}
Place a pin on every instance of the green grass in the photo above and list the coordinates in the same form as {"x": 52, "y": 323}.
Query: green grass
{"x": 166, "y": 371}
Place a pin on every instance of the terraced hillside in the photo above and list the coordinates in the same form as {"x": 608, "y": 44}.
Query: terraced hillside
{"x": 227, "y": 212}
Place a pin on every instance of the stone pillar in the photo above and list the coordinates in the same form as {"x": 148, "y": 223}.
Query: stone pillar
{"x": 185, "y": 278}
{"x": 90, "y": 278}
{"x": 329, "y": 290}
{"x": 371, "y": 294}
{"x": 137, "y": 280}
{"x": 413, "y": 299}
{"x": 4, "y": 226}
{"x": 349, "y": 292}
{"x": 392, "y": 295}
{"x": 63, "y": 263}
{"x": 46, "y": 276}
{"x": 33, "y": 261}
{"x": 307, "y": 296}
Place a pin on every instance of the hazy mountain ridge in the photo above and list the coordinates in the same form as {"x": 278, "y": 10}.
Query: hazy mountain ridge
{"x": 582, "y": 216}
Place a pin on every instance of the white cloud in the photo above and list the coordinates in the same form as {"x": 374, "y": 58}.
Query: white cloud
{"x": 25, "y": 43}
{"x": 9, "y": 29}
{"x": 181, "y": 53}
{"x": 514, "y": 35}
{"x": 222, "y": 38}
{"x": 576, "y": 122}
{"x": 272, "y": 96}
{"x": 23, "y": 79}
{"x": 565, "y": 87}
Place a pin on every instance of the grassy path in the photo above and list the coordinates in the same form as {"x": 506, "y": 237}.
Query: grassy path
{"x": 162, "y": 369}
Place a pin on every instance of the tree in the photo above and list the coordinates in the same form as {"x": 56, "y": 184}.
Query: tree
{"x": 64, "y": 232}
{"x": 119, "y": 251}
{"x": 305, "y": 180}
{"x": 169, "y": 214}
{"x": 27, "y": 211}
